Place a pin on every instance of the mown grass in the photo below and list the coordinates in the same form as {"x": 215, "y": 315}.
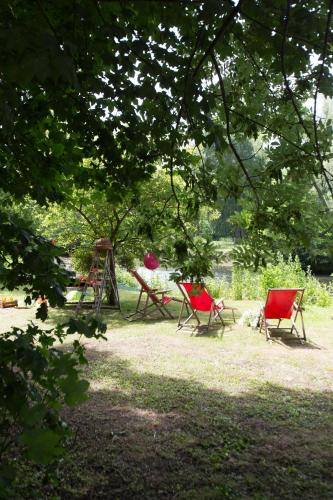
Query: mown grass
{"x": 224, "y": 415}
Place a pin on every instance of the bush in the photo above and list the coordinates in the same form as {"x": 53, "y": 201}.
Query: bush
{"x": 125, "y": 278}
{"x": 289, "y": 274}
{"x": 237, "y": 285}
{"x": 218, "y": 287}
{"x": 244, "y": 285}
{"x": 251, "y": 289}
{"x": 283, "y": 274}
{"x": 316, "y": 293}
{"x": 37, "y": 380}
{"x": 81, "y": 259}
{"x": 247, "y": 285}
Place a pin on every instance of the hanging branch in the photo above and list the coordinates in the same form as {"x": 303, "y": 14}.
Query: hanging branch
{"x": 173, "y": 145}
{"x": 277, "y": 32}
{"x": 284, "y": 73}
{"x": 272, "y": 131}
{"x": 227, "y": 117}
{"x": 253, "y": 155}
{"x": 321, "y": 196}
{"x": 255, "y": 64}
{"x": 321, "y": 71}
{"x": 219, "y": 34}
{"x": 85, "y": 217}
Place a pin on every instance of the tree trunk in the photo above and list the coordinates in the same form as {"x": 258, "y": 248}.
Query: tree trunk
{"x": 113, "y": 298}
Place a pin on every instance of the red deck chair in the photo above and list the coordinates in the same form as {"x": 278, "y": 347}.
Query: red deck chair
{"x": 153, "y": 298}
{"x": 197, "y": 299}
{"x": 282, "y": 303}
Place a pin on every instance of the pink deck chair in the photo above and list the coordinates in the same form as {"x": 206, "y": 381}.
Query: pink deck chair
{"x": 282, "y": 303}
{"x": 150, "y": 297}
{"x": 196, "y": 299}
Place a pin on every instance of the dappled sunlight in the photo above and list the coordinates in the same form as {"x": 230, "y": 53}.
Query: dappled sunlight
{"x": 176, "y": 433}
{"x": 183, "y": 413}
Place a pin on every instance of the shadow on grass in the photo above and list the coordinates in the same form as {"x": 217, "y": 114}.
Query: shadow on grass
{"x": 148, "y": 436}
{"x": 216, "y": 329}
{"x": 128, "y": 301}
{"x": 291, "y": 341}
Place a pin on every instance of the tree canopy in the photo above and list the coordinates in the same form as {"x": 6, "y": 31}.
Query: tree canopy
{"x": 129, "y": 85}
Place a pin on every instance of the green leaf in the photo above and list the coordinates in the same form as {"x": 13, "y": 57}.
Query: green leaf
{"x": 75, "y": 391}
{"x": 42, "y": 445}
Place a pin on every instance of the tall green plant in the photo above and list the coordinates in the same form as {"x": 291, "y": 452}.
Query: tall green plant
{"x": 37, "y": 379}
{"x": 237, "y": 284}
{"x": 288, "y": 273}
{"x": 283, "y": 273}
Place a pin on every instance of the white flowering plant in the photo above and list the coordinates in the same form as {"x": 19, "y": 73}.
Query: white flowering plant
{"x": 249, "y": 318}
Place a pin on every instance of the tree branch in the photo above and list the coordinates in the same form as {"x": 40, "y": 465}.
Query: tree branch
{"x": 277, "y": 32}
{"x": 284, "y": 73}
{"x": 324, "y": 53}
{"x": 219, "y": 34}
{"x": 227, "y": 117}
{"x": 85, "y": 217}
{"x": 272, "y": 131}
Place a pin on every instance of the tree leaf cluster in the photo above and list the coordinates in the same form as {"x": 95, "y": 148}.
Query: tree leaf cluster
{"x": 38, "y": 377}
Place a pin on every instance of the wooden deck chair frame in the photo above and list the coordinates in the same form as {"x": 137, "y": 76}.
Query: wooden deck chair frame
{"x": 215, "y": 312}
{"x": 297, "y": 311}
{"x": 150, "y": 298}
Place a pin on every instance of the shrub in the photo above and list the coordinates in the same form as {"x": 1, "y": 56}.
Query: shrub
{"x": 281, "y": 274}
{"x": 289, "y": 274}
{"x": 250, "y": 282}
{"x": 316, "y": 293}
{"x": 218, "y": 287}
{"x": 237, "y": 286}
{"x": 37, "y": 380}
{"x": 125, "y": 278}
{"x": 81, "y": 259}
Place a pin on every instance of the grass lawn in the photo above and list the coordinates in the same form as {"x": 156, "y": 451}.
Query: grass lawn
{"x": 175, "y": 416}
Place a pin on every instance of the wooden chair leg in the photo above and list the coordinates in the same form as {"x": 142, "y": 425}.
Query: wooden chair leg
{"x": 209, "y": 320}
{"x": 221, "y": 318}
{"x": 166, "y": 310}
{"x": 181, "y": 313}
{"x": 268, "y": 336}
{"x": 303, "y": 327}
{"x": 181, "y": 325}
{"x": 138, "y": 302}
{"x": 261, "y": 320}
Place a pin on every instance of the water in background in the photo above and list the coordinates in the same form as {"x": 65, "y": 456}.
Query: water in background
{"x": 223, "y": 271}
{"x": 162, "y": 276}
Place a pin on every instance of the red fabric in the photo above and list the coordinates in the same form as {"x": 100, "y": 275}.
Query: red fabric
{"x": 166, "y": 299}
{"x": 279, "y": 304}
{"x": 199, "y": 297}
